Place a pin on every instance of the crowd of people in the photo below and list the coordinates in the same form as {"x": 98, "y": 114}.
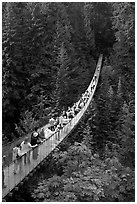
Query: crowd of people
{"x": 40, "y": 135}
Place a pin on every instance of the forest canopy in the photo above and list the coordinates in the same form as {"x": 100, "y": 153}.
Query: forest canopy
{"x": 47, "y": 46}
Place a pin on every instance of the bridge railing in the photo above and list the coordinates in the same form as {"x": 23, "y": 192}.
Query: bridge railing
{"x": 34, "y": 157}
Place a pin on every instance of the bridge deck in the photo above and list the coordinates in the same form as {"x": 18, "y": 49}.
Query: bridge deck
{"x": 37, "y": 155}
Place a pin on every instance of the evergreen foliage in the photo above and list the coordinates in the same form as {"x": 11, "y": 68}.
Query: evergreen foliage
{"x": 42, "y": 65}
{"x": 87, "y": 178}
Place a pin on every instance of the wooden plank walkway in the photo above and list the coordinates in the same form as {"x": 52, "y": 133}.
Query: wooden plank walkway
{"x": 38, "y": 154}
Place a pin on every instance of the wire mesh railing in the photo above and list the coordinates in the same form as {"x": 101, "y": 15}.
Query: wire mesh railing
{"x": 30, "y": 160}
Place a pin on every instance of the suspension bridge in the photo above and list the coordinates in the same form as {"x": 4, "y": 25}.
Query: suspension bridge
{"x": 39, "y": 153}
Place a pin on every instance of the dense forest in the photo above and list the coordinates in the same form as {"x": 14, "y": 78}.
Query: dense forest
{"x": 49, "y": 54}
